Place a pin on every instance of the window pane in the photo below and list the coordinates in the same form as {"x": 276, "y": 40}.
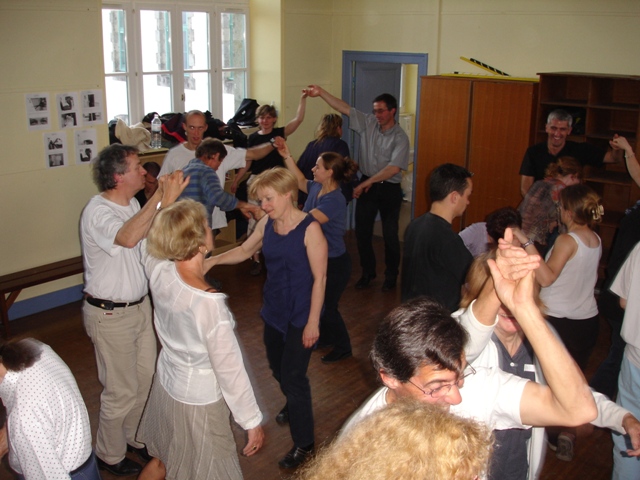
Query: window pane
{"x": 197, "y": 91}
{"x": 116, "y": 88}
{"x": 114, "y": 41}
{"x": 233, "y": 40}
{"x": 195, "y": 36}
{"x": 234, "y": 90}
{"x": 155, "y": 28}
{"x": 157, "y": 93}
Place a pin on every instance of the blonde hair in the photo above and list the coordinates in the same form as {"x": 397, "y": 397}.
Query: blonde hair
{"x": 407, "y": 439}
{"x": 178, "y": 231}
{"x": 279, "y": 179}
{"x": 479, "y": 274}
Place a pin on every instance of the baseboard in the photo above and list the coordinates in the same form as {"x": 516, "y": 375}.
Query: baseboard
{"x": 45, "y": 302}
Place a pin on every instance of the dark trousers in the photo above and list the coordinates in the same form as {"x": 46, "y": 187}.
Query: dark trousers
{"x": 385, "y": 198}
{"x": 87, "y": 471}
{"x": 288, "y": 361}
{"x": 579, "y": 336}
{"x": 332, "y": 328}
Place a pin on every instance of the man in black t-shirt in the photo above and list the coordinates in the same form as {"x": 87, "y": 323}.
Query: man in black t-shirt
{"x": 539, "y": 156}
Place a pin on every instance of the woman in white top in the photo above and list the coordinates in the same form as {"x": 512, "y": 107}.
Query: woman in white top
{"x": 569, "y": 274}
{"x": 200, "y": 374}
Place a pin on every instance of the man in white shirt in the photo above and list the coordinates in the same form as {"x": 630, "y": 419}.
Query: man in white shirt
{"x": 117, "y": 311}
{"x": 418, "y": 352}
{"x": 626, "y": 282}
{"x": 48, "y": 426}
{"x": 195, "y": 125}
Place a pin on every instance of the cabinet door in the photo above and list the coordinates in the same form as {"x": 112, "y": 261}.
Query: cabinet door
{"x": 443, "y": 131}
{"x": 502, "y": 115}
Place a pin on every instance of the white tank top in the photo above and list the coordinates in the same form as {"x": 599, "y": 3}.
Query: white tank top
{"x": 571, "y": 295}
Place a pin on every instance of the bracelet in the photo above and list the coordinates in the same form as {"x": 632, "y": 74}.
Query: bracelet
{"x": 288, "y": 157}
{"x": 526, "y": 244}
{"x": 629, "y": 156}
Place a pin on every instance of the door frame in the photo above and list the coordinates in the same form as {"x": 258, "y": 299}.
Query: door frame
{"x": 349, "y": 57}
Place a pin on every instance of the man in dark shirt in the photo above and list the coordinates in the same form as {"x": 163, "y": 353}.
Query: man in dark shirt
{"x": 539, "y": 156}
{"x": 435, "y": 260}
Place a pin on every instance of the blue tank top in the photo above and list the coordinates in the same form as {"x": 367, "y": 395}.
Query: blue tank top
{"x": 287, "y": 291}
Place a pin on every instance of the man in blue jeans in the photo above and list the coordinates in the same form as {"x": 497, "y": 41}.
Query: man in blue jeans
{"x": 384, "y": 153}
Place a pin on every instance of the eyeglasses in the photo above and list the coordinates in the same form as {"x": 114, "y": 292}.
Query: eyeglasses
{"x": 379, "y": 110}
{"x": 443, "y": 390}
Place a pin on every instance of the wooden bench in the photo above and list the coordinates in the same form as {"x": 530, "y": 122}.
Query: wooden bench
{"x": 13, "y": 283}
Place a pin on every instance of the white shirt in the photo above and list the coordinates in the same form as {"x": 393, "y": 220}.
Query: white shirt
{"x": 200, "y": 361}
{"x": 47, "y": 421}
{"x": 475, "y": 238}
{"x": 111, "y": 272}
{"x": 626, "y": 282}
{"x": 490, "y": 396}
{"x": 179, "y": 156}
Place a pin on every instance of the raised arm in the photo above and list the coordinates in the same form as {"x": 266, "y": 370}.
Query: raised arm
{"x": 334, "y": 102}
{"x": 294, "y": 123}
{"x": 621, "y": 143}
{"x": 563, "y": 250}
{"x": 283, "y": 150}
{"x": 135, "y": 229}
{"x": 317, "y": 253}
{"x": 567, "y": 399}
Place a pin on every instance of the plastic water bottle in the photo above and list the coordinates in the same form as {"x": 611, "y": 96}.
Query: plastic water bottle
{"x": 156, "y": 129}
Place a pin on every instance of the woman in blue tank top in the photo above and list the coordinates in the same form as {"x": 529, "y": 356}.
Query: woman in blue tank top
{"x": 326, "y": 203}
{"x": 295, "y": 252}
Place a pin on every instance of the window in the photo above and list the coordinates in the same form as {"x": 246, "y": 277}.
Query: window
{"x": 164, "y": 60}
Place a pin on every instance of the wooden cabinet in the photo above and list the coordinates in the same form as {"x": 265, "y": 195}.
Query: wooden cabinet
{"x": 483, "y": 124}
{"x": 601, "y": 105}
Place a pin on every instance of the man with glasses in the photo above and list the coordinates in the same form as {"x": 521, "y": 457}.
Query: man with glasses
{"x": 384, "y": 153}
{"x": 195, "y": 126}
{"x": 418, "y": 353}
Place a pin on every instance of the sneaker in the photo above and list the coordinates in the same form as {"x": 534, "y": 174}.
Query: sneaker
{"x": 566, "y": 441}
{"x": 256, "y": 268}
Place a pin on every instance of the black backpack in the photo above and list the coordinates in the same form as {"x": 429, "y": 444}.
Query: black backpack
{"x": 246, "y": 114}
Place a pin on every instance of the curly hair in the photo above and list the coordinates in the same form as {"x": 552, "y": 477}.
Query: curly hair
{"x": 20, "y": 354}
{"x": 584, "y": 203}
{"x": 406, "y": 439}
{"x": 111, "y": 161}
{"x": 418, "y": 333}
{"x": 178, "y": 231}
{"x": 564, "y": 166}
{"x": 279, "y": 179}
{"x": 498, "y": 221}
{"x": 328, "y": 126}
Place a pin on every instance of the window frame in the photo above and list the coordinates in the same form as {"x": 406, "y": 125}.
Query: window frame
{"x": 135, "y": 74}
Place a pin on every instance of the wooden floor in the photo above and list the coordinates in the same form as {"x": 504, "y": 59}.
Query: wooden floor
{"x": 337, "y": 389}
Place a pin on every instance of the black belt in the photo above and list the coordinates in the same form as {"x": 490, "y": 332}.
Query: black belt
{"x": 387, "y": 182}
{"x": 109, "y": 305}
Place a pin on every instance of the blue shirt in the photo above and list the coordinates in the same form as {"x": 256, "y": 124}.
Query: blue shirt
{"x": 204, "y": 187}
{"x": 334, "y": 207}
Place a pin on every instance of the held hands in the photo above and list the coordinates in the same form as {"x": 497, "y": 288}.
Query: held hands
{"x": 171, "y": 186}
{"x": 313, "y": 91}
{"x": 360, "y": 189}
{"x": 513, "y": 276}
{"x": 249, "y": 210}
{"x": 632, "y": 428}
{"x": 620, "y": 143}
{"x": 281, "y": 145}
{"x": 254, "y": 442}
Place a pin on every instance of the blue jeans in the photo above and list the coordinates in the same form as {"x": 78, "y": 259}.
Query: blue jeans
{"x": 625, "y": 467}
{"x": 87, "y": 471}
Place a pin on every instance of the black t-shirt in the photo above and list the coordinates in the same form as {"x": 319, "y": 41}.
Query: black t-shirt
{"x": 537, "y": 158}
{"x": 435, "y": 261}
{"x": 273, "y": 159}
